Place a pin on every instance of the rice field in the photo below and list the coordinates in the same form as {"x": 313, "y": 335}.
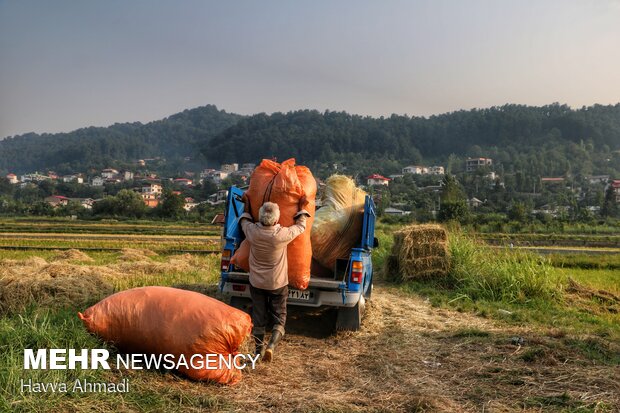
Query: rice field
{"x": 426, "y": 345}
{"x": 86, "y": 235}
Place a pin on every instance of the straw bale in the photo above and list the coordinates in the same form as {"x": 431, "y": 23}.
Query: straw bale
{"x": 419, "y": 251}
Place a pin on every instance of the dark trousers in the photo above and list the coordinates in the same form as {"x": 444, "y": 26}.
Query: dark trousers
{"x": 268, "y": 304}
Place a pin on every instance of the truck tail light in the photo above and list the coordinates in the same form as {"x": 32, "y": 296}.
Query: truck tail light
{"x": 226, "y": 259}
{"x": 357, "y": 272}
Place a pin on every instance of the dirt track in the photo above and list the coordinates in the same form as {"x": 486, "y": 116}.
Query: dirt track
{"x": 410, "y": 356}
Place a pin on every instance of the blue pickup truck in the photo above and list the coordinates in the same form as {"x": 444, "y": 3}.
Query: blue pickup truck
{"x": 346, "y": 288}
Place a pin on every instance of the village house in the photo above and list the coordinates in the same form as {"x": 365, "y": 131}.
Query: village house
{"x": 615, "y": 184}
{"x": 218, "y": 198}
{"x": 56, "y": 200}
{"x": 35, "y": 177}
{"x": 474, "y": 202}
{"x": 395, "y": 211}
{"x": 598, "y": 179}
{"x": 183, "y": 181}
{"x": 150, "y": 200}
{"x": 84, "y": 202}
{"x": 189, "y": 204}
{"x": 97, "y": 181}
{"x": 12, "y": 178}
{"x": 376, "y": 179}
{"x": 73, "y": 178}
{"x": 218, "y": 176}
{"x": 109, "y": 173}
{"x": 415, "y": 169}
{"x": 471, "y": 164}
{"x": 127, "y": 176}
{"x": 206, "y": 173}
{"x": 229, "y": 167}
{"x": 151, "y": 188}
{"x": 436, "y": 170}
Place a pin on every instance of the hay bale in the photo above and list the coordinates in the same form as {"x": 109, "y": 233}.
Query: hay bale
{"x": 134, "y": 254}
{"x": 72, "y": 255}
{"x": 419, "y": 251}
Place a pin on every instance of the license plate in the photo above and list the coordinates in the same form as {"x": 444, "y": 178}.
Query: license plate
{"x": 299, "y": 295}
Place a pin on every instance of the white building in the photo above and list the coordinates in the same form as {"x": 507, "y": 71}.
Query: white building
{"x": 218, "y": 176}
{"x": 152, "y": 189}
{"x": 219, "y": 197}
{"x": 415, "y": 169}
{"x": 35, "y": 177}
{"x": 436, "y": 170}
{"x": 229, "y": 167}
{"x": 97, "y": 181}
{"x": 395, "y": 211}
{"x": 73, "y": 178}
{"x": 471, "y": 164}
{"x": 109, "y": 173}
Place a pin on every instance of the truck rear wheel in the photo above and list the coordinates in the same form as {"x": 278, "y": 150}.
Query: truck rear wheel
{"x": 350, "y": 318}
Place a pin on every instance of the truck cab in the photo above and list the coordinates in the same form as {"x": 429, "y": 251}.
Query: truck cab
{"x": 346, "y": 288}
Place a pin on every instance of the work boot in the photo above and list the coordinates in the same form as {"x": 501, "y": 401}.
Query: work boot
{"x": 276, "y": 335}
{"x": 259, "y": 339}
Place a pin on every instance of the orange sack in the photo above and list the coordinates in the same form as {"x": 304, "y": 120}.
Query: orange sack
{"x": 163, "y": 320}
{"x": 283, "y": 184}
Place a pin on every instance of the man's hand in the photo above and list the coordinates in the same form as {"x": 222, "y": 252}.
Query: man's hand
{"x": 303, "y": 202}
{"x": 246, "y": 202}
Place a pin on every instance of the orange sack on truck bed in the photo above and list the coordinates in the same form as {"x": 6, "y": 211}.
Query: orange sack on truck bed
{"x": 163, "y": 320}
{"x": 283, "y": 184}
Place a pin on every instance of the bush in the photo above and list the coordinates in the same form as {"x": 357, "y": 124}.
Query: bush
{"x": 482, "y": 272}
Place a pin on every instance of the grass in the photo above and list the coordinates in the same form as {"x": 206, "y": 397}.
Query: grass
{"x": 518, "y": 288}
{"x": 585, "y": 261}
{"x": 478, "y": 272}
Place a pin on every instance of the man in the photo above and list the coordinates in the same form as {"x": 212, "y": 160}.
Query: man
{"x": 269, "y": 269}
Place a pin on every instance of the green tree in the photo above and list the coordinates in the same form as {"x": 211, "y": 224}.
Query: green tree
{"x": 171, "y": 206}
{"x": 610, "y": 206}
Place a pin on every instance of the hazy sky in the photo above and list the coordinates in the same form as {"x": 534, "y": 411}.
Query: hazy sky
{"x": 69, "y": 64}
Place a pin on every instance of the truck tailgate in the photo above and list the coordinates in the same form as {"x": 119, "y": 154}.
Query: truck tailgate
{"x": 315, "y": 282}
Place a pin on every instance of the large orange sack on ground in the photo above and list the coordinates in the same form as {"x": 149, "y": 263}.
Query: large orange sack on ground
{"x": 163, "y": 320}
{"x": 283, "y": 184}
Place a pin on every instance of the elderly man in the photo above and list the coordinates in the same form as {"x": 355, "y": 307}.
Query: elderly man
{"x": 269, "y": 269}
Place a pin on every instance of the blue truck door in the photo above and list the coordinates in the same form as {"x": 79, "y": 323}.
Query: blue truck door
{"x": 368, "y": 242}
{"x": 368, "y": 226}
{"x": 234, "y": 208}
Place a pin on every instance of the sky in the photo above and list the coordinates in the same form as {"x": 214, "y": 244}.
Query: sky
{"x": 70, "y": 64}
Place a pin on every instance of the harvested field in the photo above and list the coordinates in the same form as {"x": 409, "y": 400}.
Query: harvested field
{"x": 408, "y": 357}
{"x": 70, "y": 280}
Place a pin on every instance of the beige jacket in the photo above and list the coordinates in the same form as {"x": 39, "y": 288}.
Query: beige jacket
{"x": 268, "y": 262}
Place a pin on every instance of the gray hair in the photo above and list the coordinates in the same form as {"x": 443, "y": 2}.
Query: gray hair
{"x": 269, "y": 214}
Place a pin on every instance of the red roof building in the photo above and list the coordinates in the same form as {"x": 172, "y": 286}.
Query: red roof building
{"x": 376, "y": 179}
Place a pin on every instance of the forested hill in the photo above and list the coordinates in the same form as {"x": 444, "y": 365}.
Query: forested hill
{"x": 547, "y": 140}
{"x": 179, "y": 135}
{"x": 507, "y": 131}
